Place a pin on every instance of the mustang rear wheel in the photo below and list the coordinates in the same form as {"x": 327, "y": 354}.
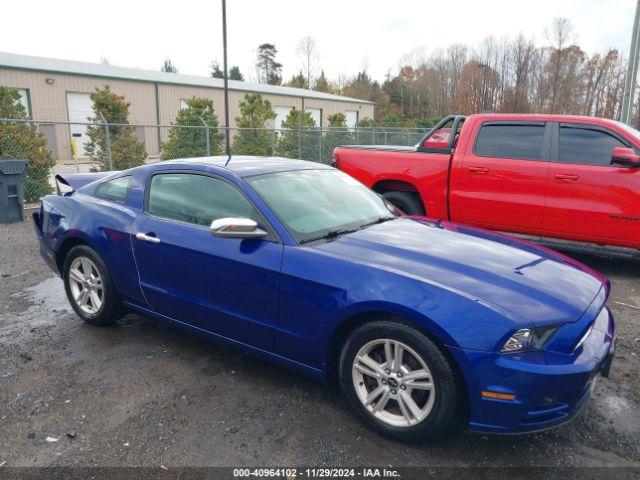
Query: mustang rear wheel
{"x": 398, "y": 381}
{"x": 89, "y": 287}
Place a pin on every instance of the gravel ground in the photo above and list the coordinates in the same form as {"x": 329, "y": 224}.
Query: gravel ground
{"x": 145, "y": 394}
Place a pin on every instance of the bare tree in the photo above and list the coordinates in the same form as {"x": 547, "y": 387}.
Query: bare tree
{"x": 308, "y": 53}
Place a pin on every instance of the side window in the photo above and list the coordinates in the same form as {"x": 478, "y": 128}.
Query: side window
{"x": 517, "y": 141}
{"x": 197, "y": 199}
{"x": 587, "y": 146}
{"x": 116, "y": 189}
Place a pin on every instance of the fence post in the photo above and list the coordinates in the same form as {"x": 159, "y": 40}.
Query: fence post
{"x": 273, "y": 142}
{"x": 206, "y": 126}
{"x": 107, "y": 140}
{"x": 385, "y": 136}
{"x": 373, "y": 136}
{"x": 319, "y": 145}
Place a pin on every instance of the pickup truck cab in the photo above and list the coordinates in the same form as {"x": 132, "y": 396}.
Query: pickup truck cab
{"x": 560, "y": 177}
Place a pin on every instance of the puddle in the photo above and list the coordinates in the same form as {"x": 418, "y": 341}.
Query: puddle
{"x": 47, "y": 304}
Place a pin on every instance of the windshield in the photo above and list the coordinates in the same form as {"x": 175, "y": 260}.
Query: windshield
{"x": 316, "y": 204}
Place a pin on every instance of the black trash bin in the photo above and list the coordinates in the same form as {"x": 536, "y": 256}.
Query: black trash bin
{"x": 13, "y": 173}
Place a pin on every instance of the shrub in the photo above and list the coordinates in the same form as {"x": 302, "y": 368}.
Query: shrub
{"x": 126, "y": 150}
{"x": 24, "y": 141}
{"x": 188, "y": 135}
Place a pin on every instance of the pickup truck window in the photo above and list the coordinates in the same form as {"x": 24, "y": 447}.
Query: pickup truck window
{"x": 587, "y": 146}
{"x": 512, "y": 140}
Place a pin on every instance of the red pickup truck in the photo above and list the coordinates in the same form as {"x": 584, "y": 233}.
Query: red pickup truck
{"x": 562, "y": 177}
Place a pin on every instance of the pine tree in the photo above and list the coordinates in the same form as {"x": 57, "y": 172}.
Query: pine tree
{"x": 298, "y": 81}
{"x": 23, "y": 140}
{"x": 322, "y": 84}
{"x": 188, "y": 135}
{"x": 252, "y": 137}
{"x": 338, "y": 134}
{"x": 126, "y": 150}
{"x": 234, "y": 74}
{"x": 216, "y": 72}
{"x": 269, "y": 71}
{"x": 299, "y": 137}
{"x": 168, "y": 67}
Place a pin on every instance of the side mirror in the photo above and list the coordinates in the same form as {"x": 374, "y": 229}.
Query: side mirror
{"x": 236, "y": 228}
{"x": 626, "y": 157}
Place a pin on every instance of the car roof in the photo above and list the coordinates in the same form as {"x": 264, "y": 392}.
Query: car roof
{"x": 544, "y": 117}
{"x": 246, "y": 165}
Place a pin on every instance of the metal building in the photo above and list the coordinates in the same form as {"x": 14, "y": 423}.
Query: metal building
{"x": 54, "y": 90}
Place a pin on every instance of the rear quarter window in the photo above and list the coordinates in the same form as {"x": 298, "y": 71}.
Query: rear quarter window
{"x": 116, "y": 189}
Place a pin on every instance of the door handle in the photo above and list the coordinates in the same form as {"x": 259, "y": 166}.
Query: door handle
{"x": 566, "y": 176}
{"x": 476, "y": 169}
{"x": 147, "y": 238}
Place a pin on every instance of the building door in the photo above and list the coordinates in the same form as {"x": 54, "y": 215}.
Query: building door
{"x": 80, "y": 109}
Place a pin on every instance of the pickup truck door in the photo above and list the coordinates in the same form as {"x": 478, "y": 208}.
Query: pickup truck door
{"x": 588, "y": 198}
{"x": 228, "y": 286}
{"x": 502, "y": 179}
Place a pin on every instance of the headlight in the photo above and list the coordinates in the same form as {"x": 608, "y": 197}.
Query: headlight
{"x": 529, "y": 339}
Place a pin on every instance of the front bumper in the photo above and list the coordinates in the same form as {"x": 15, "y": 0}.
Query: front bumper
{"x": 550, "y": 388}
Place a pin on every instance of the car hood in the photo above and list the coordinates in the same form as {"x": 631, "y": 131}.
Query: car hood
{"x": 532, "y": 282}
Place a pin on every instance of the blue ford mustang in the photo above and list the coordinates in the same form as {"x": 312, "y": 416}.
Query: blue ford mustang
{"x": 423, "y": 324}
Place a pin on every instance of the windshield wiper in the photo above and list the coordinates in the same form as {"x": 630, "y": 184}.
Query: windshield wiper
{"x": 330, "y": 235}
{"x": 377, "y": 221}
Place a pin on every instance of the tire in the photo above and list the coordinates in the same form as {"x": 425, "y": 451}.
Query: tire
{"x": 408, "y": 202}
{"x": 96, "y": 286}
{"x": 438, "y": 407}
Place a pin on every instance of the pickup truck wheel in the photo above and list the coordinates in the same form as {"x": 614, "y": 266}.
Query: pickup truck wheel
{"x": 408, "y": 202}
{"x": 89, "y": 287}
{"x": 398, "y": 381}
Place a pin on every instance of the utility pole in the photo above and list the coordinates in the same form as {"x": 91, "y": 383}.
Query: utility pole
{"x": 632, "y": 71}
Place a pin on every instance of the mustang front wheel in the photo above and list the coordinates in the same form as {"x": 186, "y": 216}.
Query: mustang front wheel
{"x": 398, "y": 381}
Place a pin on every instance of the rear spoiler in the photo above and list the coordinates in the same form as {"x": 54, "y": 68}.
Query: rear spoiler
{"x": 76, "y": 181}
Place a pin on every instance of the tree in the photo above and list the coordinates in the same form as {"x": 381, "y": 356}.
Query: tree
{"x": 322, "y": 84}
{"x": 269, "y": 71}
{"x": 126, "y": 150}
{"x": 252, "y": 137}
{"x": 308, "y": 54}
{"x": 168, "y": 67}
{"x": 337, "y": 134}
{"x": 298, "y": 137}
{"x": 297, "y": 81}
{"x": 188, "y": 134}
{"x": 337, "y": 120}
{"x": 234, "y": 74}
{"x": 216, "y": 72}
{"x": 23, "y": 140}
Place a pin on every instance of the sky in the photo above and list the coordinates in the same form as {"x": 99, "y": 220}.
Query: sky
{"x": 350, "y": 34}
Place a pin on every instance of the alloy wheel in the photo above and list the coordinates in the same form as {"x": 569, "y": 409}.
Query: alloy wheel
{"x": 393, "y": 382}
{"x": 86, "y": 285}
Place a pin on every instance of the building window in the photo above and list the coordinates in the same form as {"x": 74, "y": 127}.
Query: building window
{"x": 316, "y": 114}
{"x": 351, "y": 118}
{"x": 25, "y": 100}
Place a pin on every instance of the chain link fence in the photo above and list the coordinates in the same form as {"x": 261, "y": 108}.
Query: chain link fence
{"x": 63, "y": 147}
